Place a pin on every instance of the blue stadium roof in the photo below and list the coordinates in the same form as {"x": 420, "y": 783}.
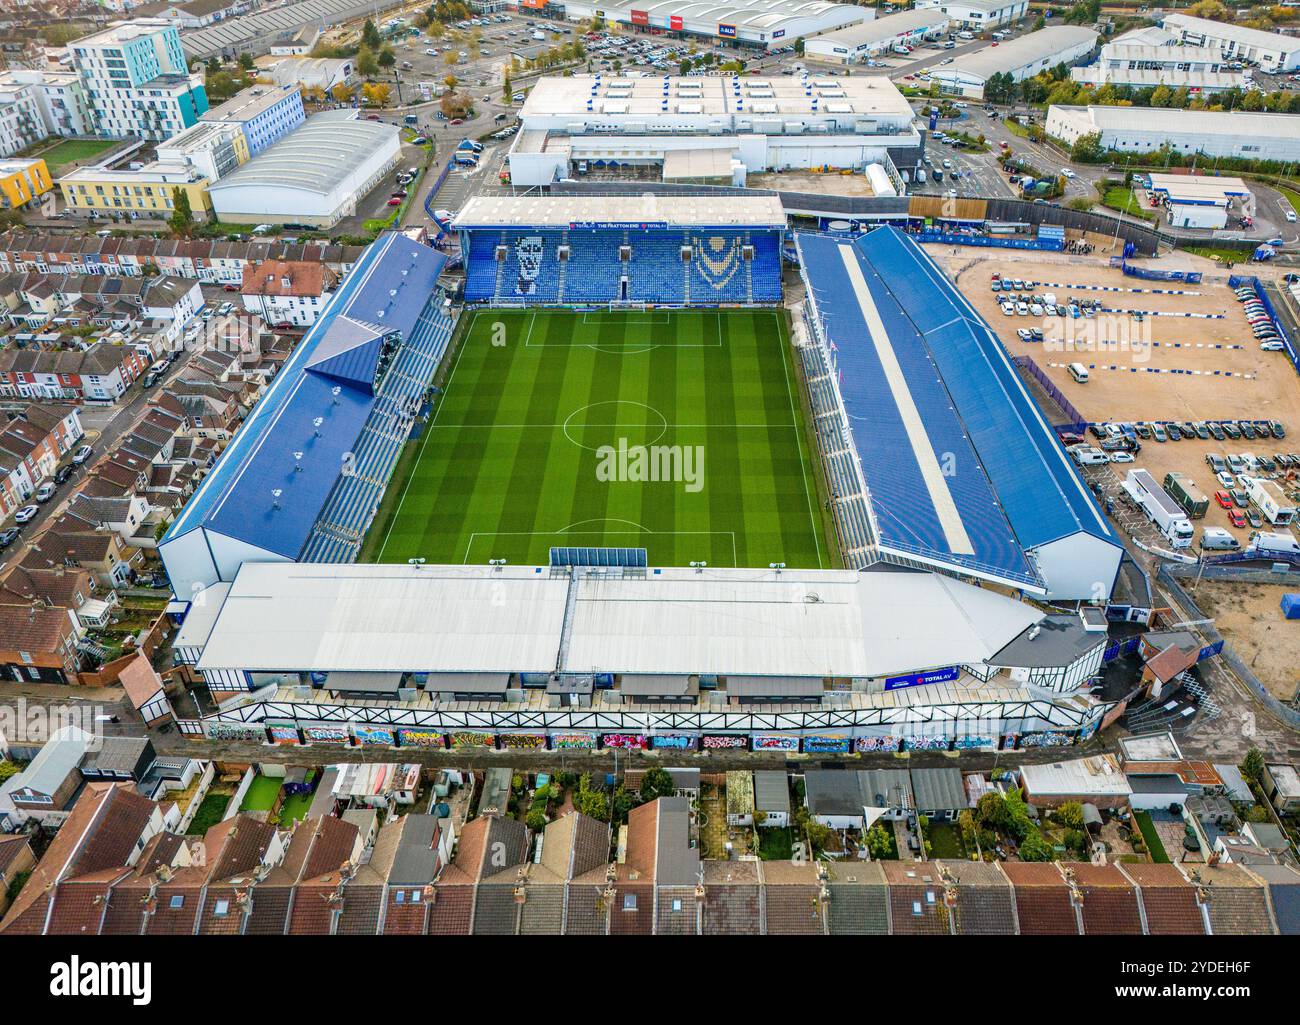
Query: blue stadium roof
{"x": 940, "y": 393}
{"x": 929, "y": 493}
{"x": 296, "y": 437}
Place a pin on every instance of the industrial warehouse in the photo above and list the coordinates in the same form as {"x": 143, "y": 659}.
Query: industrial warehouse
{"x": 767, "y": 24}
{"x": 857, "y": 43}
{"x": 1212, "y": 133}
{"x": 731, "y": 126}
{"x": 1020, "y": 58}
{"x": 900, "y": 648}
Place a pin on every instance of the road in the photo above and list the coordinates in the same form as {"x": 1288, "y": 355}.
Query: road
{"x": 104, "y": 426}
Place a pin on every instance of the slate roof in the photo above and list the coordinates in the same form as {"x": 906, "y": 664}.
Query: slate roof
{"x": 859, "y": 902}
{"x": 1043, "y": 904}
{"x": 985, "y": 905}
{"x": 732, "y": 898}
{"x": 1237, "y": 901}
{"x": 1168, "y": 900}
{"x": 916, "y": 899}
{"x": 792, "y": 895}
{"x": 1110, "y": 905}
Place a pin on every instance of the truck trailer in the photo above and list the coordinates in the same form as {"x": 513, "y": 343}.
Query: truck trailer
{"x": 1270, "y": 499}
{"x": 1185, "y": 492}
{"x": 1163, "y": 511}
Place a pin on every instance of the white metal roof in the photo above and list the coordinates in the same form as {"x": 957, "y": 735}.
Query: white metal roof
{"x": 1098, "y": 776}
{"x": 317, "y": 156}
{"x": 880, "y": 29}
{"x": 1170, "y": 121}
{"x": 808, "y": 623}
{"x": 586, "y": 97}
{"x": 1253, "y": 37}
{"x": 285, "y": 616}
{"x": 1020, "y": 52}
{"x": 561, "y": 211}
{"x": 388, "y": 619}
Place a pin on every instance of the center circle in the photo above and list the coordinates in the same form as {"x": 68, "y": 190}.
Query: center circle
{"x": 613, "y": 419}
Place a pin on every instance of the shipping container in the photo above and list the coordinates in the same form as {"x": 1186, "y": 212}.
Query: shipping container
{"x": 1187, "y": 494}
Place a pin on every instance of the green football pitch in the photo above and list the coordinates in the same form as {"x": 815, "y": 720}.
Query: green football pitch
{"x": 678, "y": 432}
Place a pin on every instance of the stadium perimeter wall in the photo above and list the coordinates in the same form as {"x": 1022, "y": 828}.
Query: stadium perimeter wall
{"x": 1145, "y": 241}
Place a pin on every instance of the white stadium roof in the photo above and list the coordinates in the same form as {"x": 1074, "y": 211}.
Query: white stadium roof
{"x": 316, "y": 157}
{"x": 367, "y": 618}
{"x": 878, "y": 30}
{"x": 454, "y": 619}
{"x": 561, "y": 211}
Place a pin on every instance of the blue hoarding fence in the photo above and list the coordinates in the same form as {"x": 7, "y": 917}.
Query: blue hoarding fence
{"x": 920, "y": 679}
{"x": 1076, "y": 419}
{"x": 1236, "y": 281}
{"x": 991, "y": 241}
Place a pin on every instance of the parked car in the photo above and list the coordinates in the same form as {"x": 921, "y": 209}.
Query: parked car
{"x": 1236, "y": 519}
{"x": 62, "y": 473}
{"x": 26, "y": 513}
{"x": 1224, "y": 499}
{"x": 45, "y": 492}
{"x": 1240, "y": 498}
{"x": 82, "y": 454}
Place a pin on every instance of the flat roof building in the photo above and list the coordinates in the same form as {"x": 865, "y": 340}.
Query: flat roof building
{"x": 1272, "y": 51}
{"x": 1131, "y": 61}
{"x": 1020, "y": 58}
{"x": 755, "y": 123}
{"x": 314, "y": 175}
{"x": 856, "y": 43}
{"x": 1097, "y": 780}
{"x": 1255, "y": 136}
{"x": 979, "y": 15}
{"x": 767, "y": 24}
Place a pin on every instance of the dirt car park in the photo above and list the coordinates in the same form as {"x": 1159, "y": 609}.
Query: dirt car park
{"x": 1250, "y": 618}
{"x": 1263, "y": 386}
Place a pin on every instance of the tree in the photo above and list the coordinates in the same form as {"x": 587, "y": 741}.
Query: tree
{"x": 1252, "y": 766}
{"x": 991, "y": 810}
{"x": 367, "y": 64}
{"x": 536, "y": 820}
{"x": 657, "y": 783}
{"x": 182, "y": 219}
{"x": 507, "y": 91}
{"x": 386, "y": 57}
{"x": 370, "y": 36}
{"x": 1034, "y": 847}
{"x": 7, "y": 769}
{"x": 879, "y": 841}
{"x": 246, "y": 61}
{"x": 341, "y": 93}
{"x": 375, "y": 94}
{"x": 591, "y": 802}
{"x": 1070, "y": 815}
{"x": 1087, "y": 148}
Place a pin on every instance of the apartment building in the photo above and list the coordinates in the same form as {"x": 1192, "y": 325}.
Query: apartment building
{"x": 137, "y": 81}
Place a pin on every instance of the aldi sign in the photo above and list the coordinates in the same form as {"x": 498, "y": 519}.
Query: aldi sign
{"x": 779, "y": 34}
{"x": 727, "y": 31}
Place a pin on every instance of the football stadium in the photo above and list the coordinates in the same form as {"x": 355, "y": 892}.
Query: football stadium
{"x": 623, "y": 497}
{"x": 676, "y": 431}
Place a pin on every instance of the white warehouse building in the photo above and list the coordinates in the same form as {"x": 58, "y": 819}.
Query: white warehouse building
{"x": 856, "y": 43}
{"x": 1020, "y": 58}
{"x": 314, "y": 175}
{"x": 1199, "y": 69}
{"x": 1213, "y": 133}
{"x": 1272, "y": 51}
{"x": 724, "y": 127}
{"x": 769, "y": 24}
{"x": 979, "y": 15}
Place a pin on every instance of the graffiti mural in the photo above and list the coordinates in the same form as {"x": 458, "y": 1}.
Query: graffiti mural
{"x": 420, "y": 738}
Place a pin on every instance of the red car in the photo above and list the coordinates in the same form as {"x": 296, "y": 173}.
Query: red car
{"x": 1236, "y": 519}
{"x": 1224, "y": 499}
{"x": 394, "y": 202}
{"x": 456, "y": 121}
{"x": 231, "y": 288}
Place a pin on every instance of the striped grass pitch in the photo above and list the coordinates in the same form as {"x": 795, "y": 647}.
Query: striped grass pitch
{"x": 522, "y": 450}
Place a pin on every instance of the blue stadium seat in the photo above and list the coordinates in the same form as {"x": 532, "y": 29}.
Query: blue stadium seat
{"x": 532, "y": 271}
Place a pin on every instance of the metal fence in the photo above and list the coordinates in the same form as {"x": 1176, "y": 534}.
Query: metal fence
{"x": 1236, "y": 281}
{"x": 1077, "y": 420}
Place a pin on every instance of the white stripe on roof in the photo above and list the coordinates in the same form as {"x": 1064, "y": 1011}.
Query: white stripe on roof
{"x": 936, "y": 484}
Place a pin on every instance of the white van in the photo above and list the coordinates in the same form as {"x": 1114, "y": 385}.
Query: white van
{"x": 1079, "y": 372}
{"x": 1216, "y": 539}
{"x": 1086, "y": 455}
